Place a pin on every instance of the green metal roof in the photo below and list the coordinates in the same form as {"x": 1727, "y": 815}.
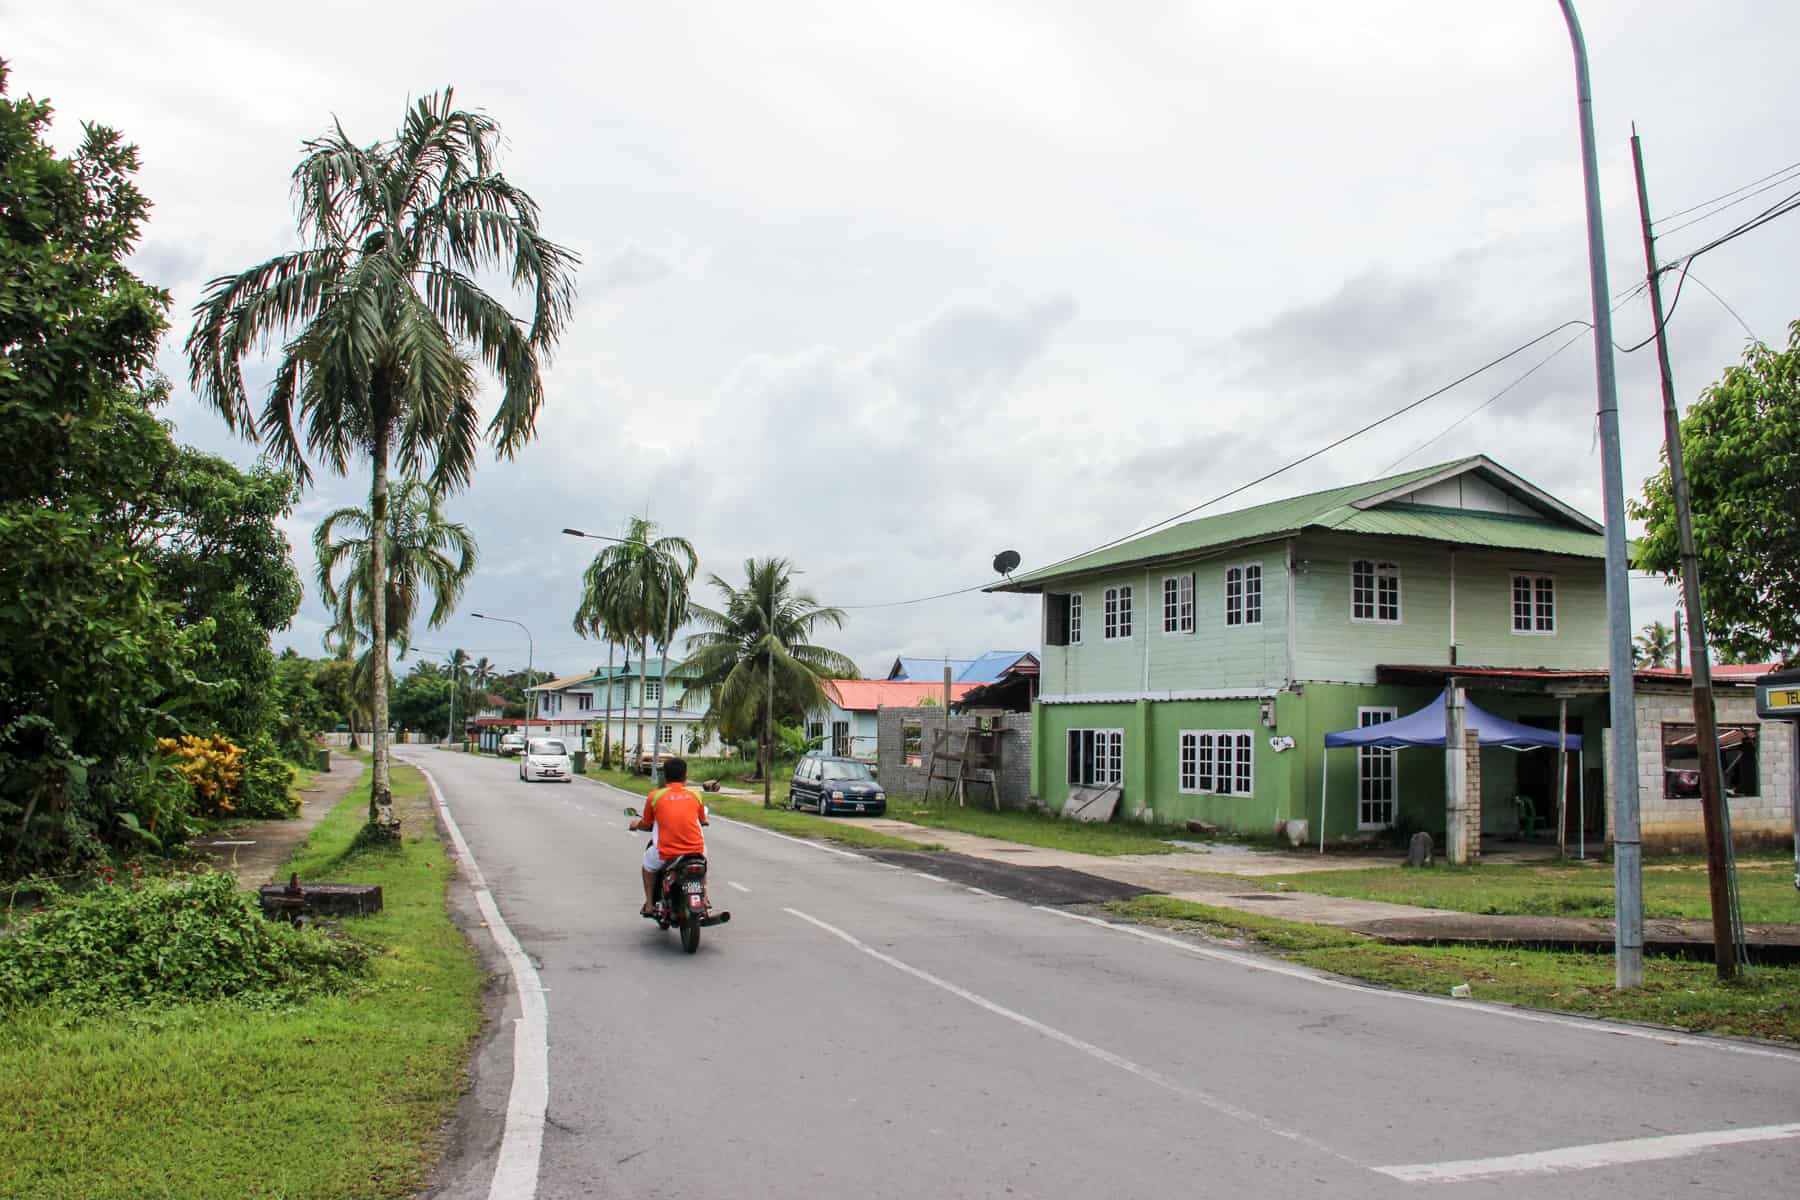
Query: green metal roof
{"x": 1342, "y": 509}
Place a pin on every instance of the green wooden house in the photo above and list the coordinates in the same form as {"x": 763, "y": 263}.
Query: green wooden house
{"x": 1200, "y": 666}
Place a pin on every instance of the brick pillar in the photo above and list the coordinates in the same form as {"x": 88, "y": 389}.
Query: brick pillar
{"x": 1472, "y": 798}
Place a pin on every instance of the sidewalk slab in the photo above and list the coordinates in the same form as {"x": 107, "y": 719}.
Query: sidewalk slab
{"x": 256, "y": 850}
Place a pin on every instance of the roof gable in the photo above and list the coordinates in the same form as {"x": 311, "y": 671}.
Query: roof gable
{"x": 867, "y": 695}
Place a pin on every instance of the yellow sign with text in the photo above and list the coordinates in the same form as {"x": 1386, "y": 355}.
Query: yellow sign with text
{"x": 1784, "y": 699}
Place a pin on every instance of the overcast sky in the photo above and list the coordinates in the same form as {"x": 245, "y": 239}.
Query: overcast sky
{"x": 886, "y": 289}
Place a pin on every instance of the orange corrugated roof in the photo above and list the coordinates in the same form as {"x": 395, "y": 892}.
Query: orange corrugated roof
{"x": 866, "y": 695}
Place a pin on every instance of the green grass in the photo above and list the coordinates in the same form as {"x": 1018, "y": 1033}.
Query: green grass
{"x": 1673, "y": 887}
{"x": 342, "y": 1098}
{"x": 799, "y": 824}
{"x": 1687, "y": 995}
{"x": 1036, "y": 829}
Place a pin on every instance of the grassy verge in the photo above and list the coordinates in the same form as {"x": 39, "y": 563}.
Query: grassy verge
{"x": 341, "y": 1097}
{"x": 1687, "y": 995}
{"x": 1673, "y": 887}
{"x": 798, "y": 824}
{"x": 1036, "y": 829}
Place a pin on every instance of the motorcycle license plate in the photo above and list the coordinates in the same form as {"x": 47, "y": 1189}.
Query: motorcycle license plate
{"x": 693, "y": 888}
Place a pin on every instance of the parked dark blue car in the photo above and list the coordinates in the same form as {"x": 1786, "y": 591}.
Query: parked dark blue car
{"x": 836, "y": 785}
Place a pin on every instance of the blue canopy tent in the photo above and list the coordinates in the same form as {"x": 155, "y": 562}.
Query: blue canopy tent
{"x": 1426, "y": 728}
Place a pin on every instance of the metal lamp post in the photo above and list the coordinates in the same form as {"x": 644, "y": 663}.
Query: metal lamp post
{"x": 662, "y": 676}
{"x": 1628, "y": 935}
{"x": 530, "y": 675}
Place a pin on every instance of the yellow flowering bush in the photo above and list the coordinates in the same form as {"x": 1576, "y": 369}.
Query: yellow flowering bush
{"x": 212, "y": 765}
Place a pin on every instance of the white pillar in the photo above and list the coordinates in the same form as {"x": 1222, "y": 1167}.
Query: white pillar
{"x": 1456, "y": 777}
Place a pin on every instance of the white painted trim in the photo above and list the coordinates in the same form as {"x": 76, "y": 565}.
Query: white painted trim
{"x": 1587, "y": 1158}
{"x": 1399, "y": 592}
{"x": 1099, "y": 754}
{"x": 1393, "y": 714}
{"x": 1262, "y": 693}
{"x": 1216, "y": 734}
{"x": 1482, "y": 462}
{"x": 522, "y": 1142}
{"x": 1512, "y": 581}
{"x": 1193, "y": 589}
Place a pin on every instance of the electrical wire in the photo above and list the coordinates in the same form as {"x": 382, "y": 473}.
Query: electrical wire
{"x": 1707, "y": 216}
{"x": 1727, "y": 307}
{"x": 1726, "y": 195}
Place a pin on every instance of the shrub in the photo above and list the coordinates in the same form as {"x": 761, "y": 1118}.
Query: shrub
{"x": 212, "y": 764}
{"x": 167, "y": 942}
{"x": 267, "y": 786}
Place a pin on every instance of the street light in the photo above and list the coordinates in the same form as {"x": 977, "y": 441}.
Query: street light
{"x": 662, "y": 675}
{"x": 530, "y": 657}
{"x": 1628, "y": 934}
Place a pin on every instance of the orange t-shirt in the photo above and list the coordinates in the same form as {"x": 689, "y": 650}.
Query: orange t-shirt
{"x": 675, "y": 813}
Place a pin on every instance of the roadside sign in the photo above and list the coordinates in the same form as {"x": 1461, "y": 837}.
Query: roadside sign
{"x": 1778, "y": 696}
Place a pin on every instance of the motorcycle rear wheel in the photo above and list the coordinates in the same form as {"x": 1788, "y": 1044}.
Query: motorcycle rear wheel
{"x": 690, "y": 931}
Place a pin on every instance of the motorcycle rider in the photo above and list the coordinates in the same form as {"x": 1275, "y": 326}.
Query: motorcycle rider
{"x": 674, "y": 814}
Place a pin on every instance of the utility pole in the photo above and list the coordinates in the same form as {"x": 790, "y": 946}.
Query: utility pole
{"x": 1628, "y": 848}
{"x": 1706, "y": 729}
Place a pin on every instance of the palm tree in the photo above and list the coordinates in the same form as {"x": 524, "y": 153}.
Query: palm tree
{"x": 755, "y": 653}
{"x": 1655, "y": 646}
{"x": 459, "y": 666}
{"x": 381, "y": 321}
{"x": 423, "y": 552}
{"x": 637, "y": 588}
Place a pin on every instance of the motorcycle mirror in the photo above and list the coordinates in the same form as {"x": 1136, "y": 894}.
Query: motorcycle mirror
{"x": 631, "y": 812}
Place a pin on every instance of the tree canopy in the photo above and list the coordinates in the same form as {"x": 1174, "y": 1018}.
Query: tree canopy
{"x": 1740, "y": 445}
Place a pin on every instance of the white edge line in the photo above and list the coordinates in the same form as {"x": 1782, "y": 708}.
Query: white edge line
{"x": 522, "y": 1143}
{"x": 1585, "y": 1158}
{"x": 740, "y": 887}
{"x": 1208, "y": 1100}
{"x": 1594, "y": 1025}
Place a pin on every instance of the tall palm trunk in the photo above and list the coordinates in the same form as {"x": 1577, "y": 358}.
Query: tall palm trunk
{"x": 769, "y": 735}
{"x": 381, "y": 792}
{"x": 643, "y": 675}
{"x": 606, "y": 729}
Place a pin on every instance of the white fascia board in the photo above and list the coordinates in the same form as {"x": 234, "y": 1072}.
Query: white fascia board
{"x": 1263, "y": 693}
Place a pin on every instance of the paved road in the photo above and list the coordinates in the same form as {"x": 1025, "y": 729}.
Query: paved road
{"x": 859, "y": 1030}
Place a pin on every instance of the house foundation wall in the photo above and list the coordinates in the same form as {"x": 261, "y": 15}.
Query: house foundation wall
{"x": 899, "y": 777}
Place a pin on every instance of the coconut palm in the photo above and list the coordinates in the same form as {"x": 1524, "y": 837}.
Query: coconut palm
{"x": 381, "y": 323}
{"x": 637, "y": 589}
{"x": 1655, "y": 645}
{"x": 755, "y": 654}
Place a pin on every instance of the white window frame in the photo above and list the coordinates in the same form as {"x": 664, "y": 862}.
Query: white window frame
{"x": 1107, "y": 751}
{"x": 1237, "y": 608}
{"x": 1237, "y": 779}
{"x": 584, "y": 701}
{"x": 1178, "y": 603}
{"x": 653, "y": 690}
{"x": 668, "y": 736}
{"x": 1534, "y": 618}
{"x": 1367, "y": 756}
{"x": 1074, "y": 618}
{"x": 1116, "y": 623}
{"x": 1378, "y": 567}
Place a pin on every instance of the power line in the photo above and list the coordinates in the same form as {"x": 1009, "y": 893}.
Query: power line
{"x": 1707, "y": 216}
{"x": 1728, "y": 308}
{"x": 1727, "y": 195}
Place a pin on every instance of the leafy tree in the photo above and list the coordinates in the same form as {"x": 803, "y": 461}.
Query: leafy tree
{"x": 424, "y": 552}
{"x": 94, "y": 665}
{"x": 1740, "y": 444}
{"x": 381, "y": 320}
{"x": 1655, "y": 645}
{"x": 637, "y": 589}
{"x": 755, "y": 658}
{"x": 422, "y": 699}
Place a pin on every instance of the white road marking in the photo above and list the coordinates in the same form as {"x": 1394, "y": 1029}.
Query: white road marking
{"x": 1223, "y": 1107}
{"x": 1591, "y": 1025}
{"x": 784, "y": 837}
{"x": 978, "y": 891}
{"x": 933, "y": 878}
{"x": 522, "y": 1143}
{"x": 740, "y": 887}
{"x": 1586, "y": 1158}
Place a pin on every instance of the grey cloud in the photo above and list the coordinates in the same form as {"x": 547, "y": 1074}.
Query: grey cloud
{"x": 634, "y": 266}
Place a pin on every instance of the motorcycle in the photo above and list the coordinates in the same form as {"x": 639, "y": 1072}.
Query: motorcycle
{"x": 681, "y": 900}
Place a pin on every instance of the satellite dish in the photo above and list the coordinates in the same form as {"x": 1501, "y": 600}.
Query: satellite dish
{"x": 1005, "y": 562}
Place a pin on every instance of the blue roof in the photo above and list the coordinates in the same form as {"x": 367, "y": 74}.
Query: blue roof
{"x": 986, "y": 669}
{"x": 1426, "y": 728}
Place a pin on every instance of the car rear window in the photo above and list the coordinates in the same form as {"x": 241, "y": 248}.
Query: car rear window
{"x": 548, "y": 746}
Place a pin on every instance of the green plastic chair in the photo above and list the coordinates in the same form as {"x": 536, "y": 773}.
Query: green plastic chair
{"x": 1527, "y": 815}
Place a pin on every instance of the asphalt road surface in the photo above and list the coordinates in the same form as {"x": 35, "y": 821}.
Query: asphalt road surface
{"x": 862, "y": 1030}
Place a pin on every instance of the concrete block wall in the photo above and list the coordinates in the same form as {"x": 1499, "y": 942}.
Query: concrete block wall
{"x": 1674, "y": 824}
{"x": 902, "y": 780}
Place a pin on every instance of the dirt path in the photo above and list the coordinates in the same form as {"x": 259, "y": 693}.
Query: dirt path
{"x": 256, "y": 850}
